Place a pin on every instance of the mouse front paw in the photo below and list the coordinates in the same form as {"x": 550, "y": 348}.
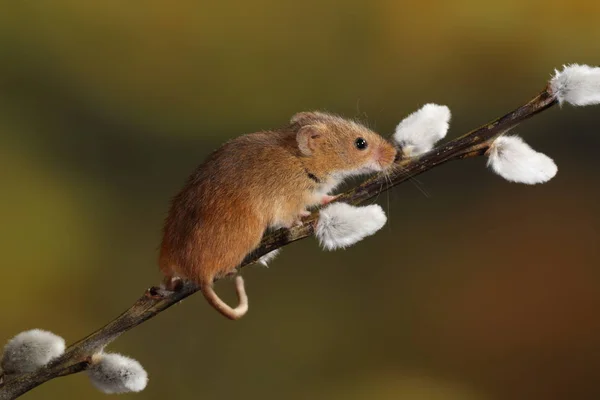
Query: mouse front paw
{"x": 326, "y": 199}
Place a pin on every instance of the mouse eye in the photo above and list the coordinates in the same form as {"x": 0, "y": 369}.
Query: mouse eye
{"x": 360, "y": 143}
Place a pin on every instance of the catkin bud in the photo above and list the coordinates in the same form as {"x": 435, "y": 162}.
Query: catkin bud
{"x": 116, "y": 373}
{"x": 341, "y": 225}
{"x": 31, "y": 350}
{"x": 421, "y": 130}
{"x": 577, "y": 84}
{"x": 513, "y": 159}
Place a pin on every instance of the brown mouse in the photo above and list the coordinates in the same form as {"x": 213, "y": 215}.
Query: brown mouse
{"x": 257, "y": 181}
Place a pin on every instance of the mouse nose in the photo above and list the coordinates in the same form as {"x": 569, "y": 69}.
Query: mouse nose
{"x": 385, "y": 155}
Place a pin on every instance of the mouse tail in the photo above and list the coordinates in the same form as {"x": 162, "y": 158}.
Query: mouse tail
{"x": 222, "y": 307}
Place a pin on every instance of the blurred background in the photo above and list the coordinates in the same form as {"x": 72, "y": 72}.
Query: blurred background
{"x": 475, "y": 289}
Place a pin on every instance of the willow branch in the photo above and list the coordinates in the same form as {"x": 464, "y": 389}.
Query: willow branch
{"x": 155, "y": 300}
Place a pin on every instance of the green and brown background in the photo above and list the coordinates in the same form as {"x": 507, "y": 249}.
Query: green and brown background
{"x": 475, "y": 289}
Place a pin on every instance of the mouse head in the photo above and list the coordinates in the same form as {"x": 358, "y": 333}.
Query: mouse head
{"x": 341, "y": 147}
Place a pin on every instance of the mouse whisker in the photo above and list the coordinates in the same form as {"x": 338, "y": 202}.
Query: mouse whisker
{"x": 417, "y": 183}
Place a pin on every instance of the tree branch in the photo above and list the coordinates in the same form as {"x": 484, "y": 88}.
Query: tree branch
{"x": 77, "y": 357}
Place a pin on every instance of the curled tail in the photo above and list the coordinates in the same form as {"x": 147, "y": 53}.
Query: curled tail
{"x": 231, "y": 313}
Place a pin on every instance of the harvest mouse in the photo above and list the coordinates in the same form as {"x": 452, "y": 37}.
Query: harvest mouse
{"x": 257, "y": 181}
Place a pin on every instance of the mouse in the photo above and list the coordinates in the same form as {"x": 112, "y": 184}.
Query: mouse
{"x": 260, "y": 181}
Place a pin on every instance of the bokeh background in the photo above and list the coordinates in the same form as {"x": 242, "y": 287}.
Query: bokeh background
{"x": 475, "y": 289}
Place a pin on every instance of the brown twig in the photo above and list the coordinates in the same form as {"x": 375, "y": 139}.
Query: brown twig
{"x": 77, "y": 357}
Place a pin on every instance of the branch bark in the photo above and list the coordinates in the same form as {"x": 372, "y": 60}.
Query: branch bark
{"x": 155, "y": 300}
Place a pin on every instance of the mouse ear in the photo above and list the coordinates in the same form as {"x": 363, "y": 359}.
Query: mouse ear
{"x": 307, "y": 117}
{"x": 307, "y": 137}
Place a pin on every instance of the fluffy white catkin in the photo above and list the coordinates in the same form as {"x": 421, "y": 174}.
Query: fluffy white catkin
{"x": 116, "y": 373}
{"x": 341, "y": 225}
{"x": 577, "y": 84}
{"x": 31, "y": 350}
{"x": 267, "y": 258}
{"x": 421, "y": 130}
{"x": 513, "y": 159}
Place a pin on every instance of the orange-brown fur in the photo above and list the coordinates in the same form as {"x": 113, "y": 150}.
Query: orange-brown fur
{"x": 257, "y": 181}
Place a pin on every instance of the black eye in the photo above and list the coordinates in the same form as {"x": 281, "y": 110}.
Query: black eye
{"x": 360, "y": 143}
